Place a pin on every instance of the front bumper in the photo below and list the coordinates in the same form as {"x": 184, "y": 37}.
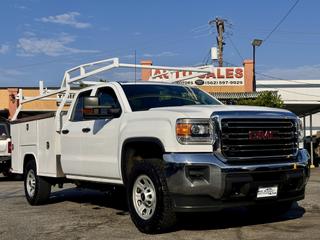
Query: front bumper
{"x": 202, "y": 182}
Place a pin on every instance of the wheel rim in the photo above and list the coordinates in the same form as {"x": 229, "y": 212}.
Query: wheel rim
{"x": 144, "y": 197}
{"x": 31, "y": 183}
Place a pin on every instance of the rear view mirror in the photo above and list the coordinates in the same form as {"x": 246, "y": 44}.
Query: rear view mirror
{"x": 93, "y": 110}
{"x": 91, "y": 102}
{"x": 91, "y": 107}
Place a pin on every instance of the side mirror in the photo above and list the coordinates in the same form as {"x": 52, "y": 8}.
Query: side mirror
{"x": 90, "y": 107}
{"x": 93, "y": 110}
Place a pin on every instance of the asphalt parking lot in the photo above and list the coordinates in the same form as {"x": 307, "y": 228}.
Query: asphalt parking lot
{"x": 85, "y": 214}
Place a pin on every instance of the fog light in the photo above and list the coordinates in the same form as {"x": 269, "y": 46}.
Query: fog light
{"x": 198, "y": 173}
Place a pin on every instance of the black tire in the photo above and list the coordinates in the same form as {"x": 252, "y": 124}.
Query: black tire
{"x": 270, "y": 210}
{"x": 163, "y": 217}
{"x": 7, "y": 173}
{"x": 37, "y": 189}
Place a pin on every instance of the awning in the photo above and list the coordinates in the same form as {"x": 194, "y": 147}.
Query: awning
{"x": 302, "y": 108}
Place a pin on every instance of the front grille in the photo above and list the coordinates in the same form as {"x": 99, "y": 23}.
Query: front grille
{"x": 258, "y": 138}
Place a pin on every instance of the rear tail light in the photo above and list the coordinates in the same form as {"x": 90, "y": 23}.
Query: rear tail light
{"x": 10, "y": 147}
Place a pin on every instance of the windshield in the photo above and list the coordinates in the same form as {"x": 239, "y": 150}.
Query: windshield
{"x": 143, "y": 97}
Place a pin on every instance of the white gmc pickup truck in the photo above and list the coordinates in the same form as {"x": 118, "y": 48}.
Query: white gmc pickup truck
{"x": 175, "y": 148}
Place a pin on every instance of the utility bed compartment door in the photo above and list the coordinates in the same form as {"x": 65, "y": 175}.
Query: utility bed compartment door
{"x": 28, "y": 133}
{"x": 49, "y": 162}
{"x": 38, "y": 138}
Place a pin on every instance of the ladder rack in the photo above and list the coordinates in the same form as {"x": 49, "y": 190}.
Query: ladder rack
{"x": 81, "y": 72}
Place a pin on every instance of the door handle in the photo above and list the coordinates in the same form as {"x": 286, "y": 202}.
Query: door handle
{"x": 85, "y": 130}
{"x": 65, "y": 131}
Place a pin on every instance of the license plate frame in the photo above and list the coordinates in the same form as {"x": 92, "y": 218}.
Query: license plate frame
{"x": 264, "y": 192}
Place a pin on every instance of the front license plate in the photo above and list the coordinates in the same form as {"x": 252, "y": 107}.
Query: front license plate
{"x": 266, "y": 192}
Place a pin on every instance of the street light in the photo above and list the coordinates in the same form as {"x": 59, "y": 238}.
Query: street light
{"x": 255, "y": 43}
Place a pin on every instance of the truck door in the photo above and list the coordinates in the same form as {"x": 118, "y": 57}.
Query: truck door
{"x": 101, "y": 141}
{"x": 72, "y": 138}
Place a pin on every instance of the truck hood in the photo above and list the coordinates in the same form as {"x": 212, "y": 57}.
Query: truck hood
{"x": 205, "y": 111}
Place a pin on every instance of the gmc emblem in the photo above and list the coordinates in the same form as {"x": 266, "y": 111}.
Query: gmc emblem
{"x": 261, "y": 135}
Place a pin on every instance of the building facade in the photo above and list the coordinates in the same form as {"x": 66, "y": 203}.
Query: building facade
{"x": 9, "y": 101}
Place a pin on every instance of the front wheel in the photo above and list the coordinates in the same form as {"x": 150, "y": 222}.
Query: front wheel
{"x": 149, "y": 202}
{"x": 36, "y": 188}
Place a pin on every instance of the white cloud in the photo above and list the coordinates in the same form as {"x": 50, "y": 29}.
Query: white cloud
{"x": 66, "y": 19}
{"x": 163, "y": 54}
{"x": 129, "y": 56}
{"x": 10, "y": 72}
{"x": 301, "y": 72}
{"x": 104, "y": 29}
{"x": 13, "y": 77}
{"x": 32, "y": 45}
{"x": 4, "y": 48}
{"x": 29, "y": 34}
{"x": 21, "y": 7}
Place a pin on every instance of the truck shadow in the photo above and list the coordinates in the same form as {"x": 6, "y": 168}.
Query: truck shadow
{"x": 115, "y": 199}
{"x": 228, "y": 218}
{"x": 233, "y": 217}
{"x": 11, "y": 178}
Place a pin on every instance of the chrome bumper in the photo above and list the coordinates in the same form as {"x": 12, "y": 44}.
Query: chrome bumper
{"x": 203, "y": 182}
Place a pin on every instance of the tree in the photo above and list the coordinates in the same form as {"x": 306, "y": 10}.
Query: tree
{"x": 266, "y": 99}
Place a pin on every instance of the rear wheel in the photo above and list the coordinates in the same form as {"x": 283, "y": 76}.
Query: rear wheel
{"x": 37, "y": 189}
{"x": 149, "y": 202}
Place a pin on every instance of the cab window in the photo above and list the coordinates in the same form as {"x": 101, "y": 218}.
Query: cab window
{"x": 77, "y": 114}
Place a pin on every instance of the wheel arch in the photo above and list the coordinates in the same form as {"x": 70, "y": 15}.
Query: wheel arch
{"x": 136, "y": 149}
{"x": 28, "y": 157}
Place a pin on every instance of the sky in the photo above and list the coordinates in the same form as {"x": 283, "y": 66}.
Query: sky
{"x": 39, "y": 40}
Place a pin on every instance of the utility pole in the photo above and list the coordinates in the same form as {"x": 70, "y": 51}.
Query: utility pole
{"x": 219, "y": 22}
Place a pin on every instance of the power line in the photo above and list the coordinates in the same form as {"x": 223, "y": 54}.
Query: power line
{"x": 286, "y": 32}
{"x": 235, "y": 47}
{"x": 282, "y": 20}
{"x": 290, "y": 91}
{"x": 229, "y": 64}
{"x": 284, "y": 90}
{"x": 201, "y": 28}
{"x": 287, "y": 80}
{"x": 206, "y": 58}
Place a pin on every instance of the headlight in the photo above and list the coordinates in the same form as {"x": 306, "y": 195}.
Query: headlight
{"x": 195, "y": 131}
{"x": 300, "y": 131}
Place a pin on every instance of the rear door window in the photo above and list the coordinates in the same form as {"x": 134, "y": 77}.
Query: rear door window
{"x": 77, "y": 114}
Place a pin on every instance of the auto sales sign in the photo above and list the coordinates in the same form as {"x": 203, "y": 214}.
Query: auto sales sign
{"x": 219, "y": 76}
